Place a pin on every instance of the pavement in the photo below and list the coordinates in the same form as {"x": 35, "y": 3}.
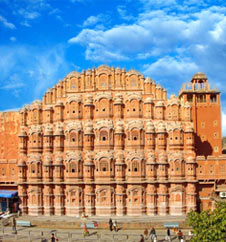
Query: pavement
{"x": 68, "y": 229}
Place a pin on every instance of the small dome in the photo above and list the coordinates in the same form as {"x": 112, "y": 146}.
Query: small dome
{"x": 161, "y": 128}
{"x": 150, "y": 128}
{"x": 73, "y": 74}
{"x": 21, "y": 162}
{"x": 58, "y": 160}
{"x": 119, "y": 128}
{"x": 148, "y": 100}
{"x": 88, "y": 129}
{"x": 59, "y": 103}
{"x": 151, "y": 158}
{"x": 162, "y": 158}
{"x": 148, "y": 80}
{"x": 199, "y": 76}
{"x": 188, "y": 129}
{"x": 159, "y": 104}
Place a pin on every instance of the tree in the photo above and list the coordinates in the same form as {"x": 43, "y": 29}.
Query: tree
{"x": 209, "y": 226}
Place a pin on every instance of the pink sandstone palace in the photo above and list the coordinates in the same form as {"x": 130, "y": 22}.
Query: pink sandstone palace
{"x": 107, "y": 141}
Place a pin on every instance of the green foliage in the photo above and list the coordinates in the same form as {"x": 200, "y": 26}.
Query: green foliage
{"x": 209, "y": 226}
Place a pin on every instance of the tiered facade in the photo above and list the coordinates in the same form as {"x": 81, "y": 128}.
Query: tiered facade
{"x": 107, "y": 142}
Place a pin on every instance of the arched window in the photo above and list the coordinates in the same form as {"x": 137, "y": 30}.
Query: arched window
{"x": 135, "y": 166}
{"x": 135, "y": 135}
{"x": 33, "y": 168}
{"x": 103, "y": 196}
{"x": 72, "y": 167}
{"x": 103, "y": 135}
{"x": 104, "y": 166}
{"x": 103, "y": 105}
{"x": 72, "y": 137}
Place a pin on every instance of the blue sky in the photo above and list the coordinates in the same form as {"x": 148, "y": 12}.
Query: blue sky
{"x": 169, "y": 40}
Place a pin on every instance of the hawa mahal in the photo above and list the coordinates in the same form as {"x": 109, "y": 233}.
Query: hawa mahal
{"x": 108, "y": 141}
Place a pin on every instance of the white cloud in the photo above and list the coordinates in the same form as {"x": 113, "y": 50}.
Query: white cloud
{"x": 174, "y": 46}
{"x": 92, "y": 20}
{"x": 13, "y": 39}
{"x": 28, "y": 14}
{"x": 171, "y": 72}
{"x": 122, "y": 11}
{"x": 26, "y": 24}
{"x": 24, "y": 68}
{"x": 13, "y": 85}
{"x": 7, "y": 24}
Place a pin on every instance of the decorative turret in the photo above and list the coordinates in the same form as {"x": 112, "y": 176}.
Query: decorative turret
{"x": 34, "y": 168}
{"x": 59, "y": 138}
{"x": 150, "y": 136}
{"x": 23, "y": 138}
{"x": 176, "y": 136}
{"x": 47, "y": 168}
{"x": 159, "y": 110}
{"x": 23, "y": 115}
{"x": 118, "y": 106}
{"x": 161, "y": 137}
{"x": 151, "y": 167}
{"x": 120, "y": 168}
{"x": 189, "y": 138}
{"x": 48, "y": 139}
{"x": 206, "y": 114}
{"x": 190, "y": 168}
{"x": 119, "y": 136}
{"x": 149, "y": 108}
{"x": 36, "y": 112}
{"x": 88, "y": 168}
{"x": 58, "y": 165}
{"x": 88, "y": 107}
{"x": 22, "y": 176}
{"x": 59, "y": 111}
{"x": 88, "y": 136}
{"x": 162, "y": 167}
{"x": 48, "y": 114}
{"x": 148, "y": 85}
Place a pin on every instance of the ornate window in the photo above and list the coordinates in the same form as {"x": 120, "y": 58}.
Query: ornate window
{"x": 135, "y": 166}
{"x": 73, "y": 137}
{"x": 135, "y": 135}
{"x": 104, "y": 166}
{"x": 72, "y": 167}
{"x": 103, "y": 135}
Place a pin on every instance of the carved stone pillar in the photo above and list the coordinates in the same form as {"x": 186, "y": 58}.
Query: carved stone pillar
{"x": 151, "y": 200}
{"x": 120, "y": 200}
{"x": 59, "y": 200}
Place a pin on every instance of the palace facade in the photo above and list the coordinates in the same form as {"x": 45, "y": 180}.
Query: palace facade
{"x": 109, "y": 142}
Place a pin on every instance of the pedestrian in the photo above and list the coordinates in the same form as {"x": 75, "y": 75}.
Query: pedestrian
{"x": 152, "y": 235}
{"x": 146, "y": 234}
{"x": 168, "y": 238}
{"x": 180, "y": 236}
{"x": 85, "y": 230}
{"x": 141, "y": 238}
{"x": 14, "y": 226}
{"x": 115, "y": 226}
{"x": 110, "y": 224}
{"x": 53, "y": 238}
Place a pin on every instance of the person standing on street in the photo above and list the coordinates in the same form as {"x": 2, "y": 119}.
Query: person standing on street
{"x": 53, "y": 238}
{"x": 152, "y": 235}
{"x": 180, "y": 236}
{"x": 110, "y": 224}
{"x": 141, "y": 238}
{"x": 168, "y": 235}
{"x": 115, "y": 226}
